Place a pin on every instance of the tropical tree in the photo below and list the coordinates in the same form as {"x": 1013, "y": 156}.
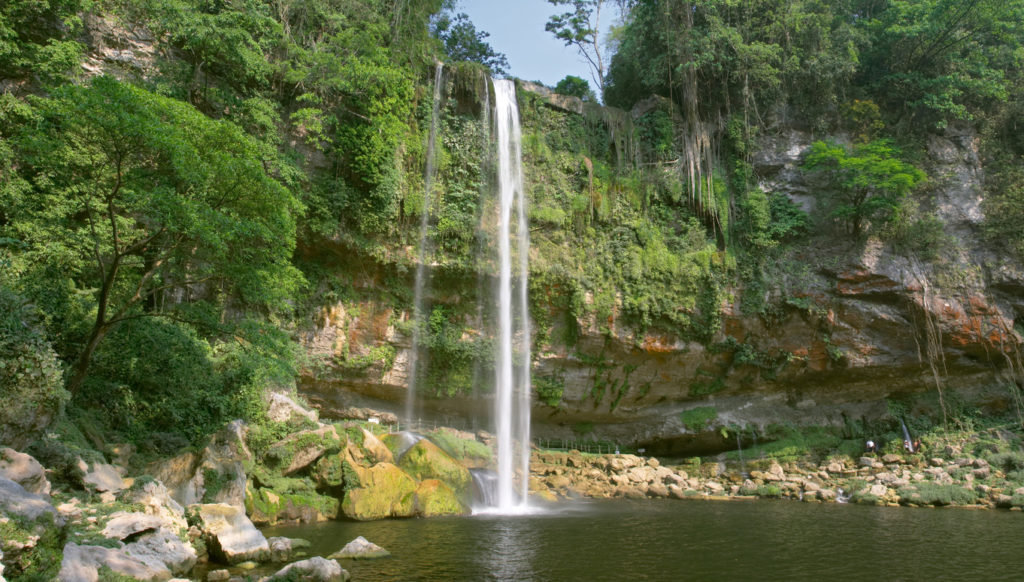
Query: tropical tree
{"x": 580, "y": 27}
{"x": 865, "y": 182}
{"x": 463, "y": 42}
{"x": 147, "y": 205}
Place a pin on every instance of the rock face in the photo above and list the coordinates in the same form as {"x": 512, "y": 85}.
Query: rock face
{"x": 215, "y": 475}
{"x": 847, "y": 321}
{"x": 231, "y": 537}
{"x": 24, "y": 470}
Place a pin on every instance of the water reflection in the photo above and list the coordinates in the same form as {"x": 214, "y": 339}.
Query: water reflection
{"x": 681, "y": 540}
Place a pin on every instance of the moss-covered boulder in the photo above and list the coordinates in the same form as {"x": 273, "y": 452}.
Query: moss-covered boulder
{"x": 376, "y": 451}
{"x": 384, "y": 491}
{"x": 434, "y": 497}
{"x": 300, "y": 450}
{"x": 268, "y": 507}
{"x": 425, "y": 460}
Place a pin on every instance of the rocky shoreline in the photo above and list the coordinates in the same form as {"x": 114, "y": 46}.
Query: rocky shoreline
{"x": 197, "y": 514}
{"x": 948, "y": 479}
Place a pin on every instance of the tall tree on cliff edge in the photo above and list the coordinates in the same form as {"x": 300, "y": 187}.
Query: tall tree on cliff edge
{"x": 146, "y": 205}
{"x": 580, "y": 27}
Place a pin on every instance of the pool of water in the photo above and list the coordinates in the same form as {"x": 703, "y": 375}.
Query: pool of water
{"x": 688, "y": 540}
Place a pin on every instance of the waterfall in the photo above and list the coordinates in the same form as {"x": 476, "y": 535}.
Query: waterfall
{"x": 421, "y": 264}
{"x": 512, "y": 415}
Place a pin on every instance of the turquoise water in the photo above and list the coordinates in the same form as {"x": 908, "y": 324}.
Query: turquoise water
{"x": 689, "y": 540}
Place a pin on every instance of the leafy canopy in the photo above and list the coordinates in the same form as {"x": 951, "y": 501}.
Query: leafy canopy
{"x": 143, "y": 201}
{"x": 865, "y": 181}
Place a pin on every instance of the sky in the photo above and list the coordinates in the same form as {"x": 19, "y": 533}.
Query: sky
{"x": 517, "y": 29}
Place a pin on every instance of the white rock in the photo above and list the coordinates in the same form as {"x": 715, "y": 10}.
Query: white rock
{"x": 104, "y": 478}
{"x": 315, "y": 569}
{"x": 24, "y": 470}
{"x": 231, "y": 537}
{"x": 360, "y": 548}
{"x": 283, "y": 407}
{"x": 15, "y": 500}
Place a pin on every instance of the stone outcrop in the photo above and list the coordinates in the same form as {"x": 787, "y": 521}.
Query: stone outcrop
{"x": 230, "y": 536}
{"x": 425, "y": 460}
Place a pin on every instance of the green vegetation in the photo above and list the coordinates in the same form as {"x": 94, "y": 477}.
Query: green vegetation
{"x": 698, "y": 419}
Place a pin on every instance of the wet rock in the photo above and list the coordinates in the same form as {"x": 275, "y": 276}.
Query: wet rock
{"x": 425, "y": 460}
{"x": 384, "y": 491}
{"x": 24, "y": 470}
{"x": 434, "y": 497}
{"x": 231, "y": 537}
{"x": 217, "y": 576}
{"x": 360, "y": 548}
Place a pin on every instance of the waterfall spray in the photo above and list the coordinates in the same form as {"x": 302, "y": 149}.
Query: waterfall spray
{"x": 421, "y": 268}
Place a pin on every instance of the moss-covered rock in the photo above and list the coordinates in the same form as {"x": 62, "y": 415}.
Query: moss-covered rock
{"x": 268, "y": 507}
{"x": 434, "y": 497}
{"x": 385, "y": 491}
{"x": 375, "y": 450}
{"x": 300, "y": 450}
{"x": 425, "y": 460}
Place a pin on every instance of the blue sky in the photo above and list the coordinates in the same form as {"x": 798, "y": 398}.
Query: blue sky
{"x": 517, "y": 29}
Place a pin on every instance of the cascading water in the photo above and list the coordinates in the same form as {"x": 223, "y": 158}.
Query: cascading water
{"x": 421, "y": 265}
{"x": 512, "y": 415}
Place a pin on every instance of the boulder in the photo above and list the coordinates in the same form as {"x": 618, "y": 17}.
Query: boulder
{"x": 159, "y": 555}
{"x": 230, "y": 536}
{"x": 360, "y": 548}
{"x": 425, "y": 460}
{"x": 384, "y": 491}
{"x": 156, "y": 500}
{"x": 434, "y": 497}
{"x": 267, "y": 506}
{"x": 282, "y": 408}
{"x": 315, "y": 569}
{"x": 218, "y": 576}
{"x": 124, "y": 525}
{"x": 300, "y": 450}
{"x": 215, "y": 475}
{"x": 24, "y": 470}
{"x": 376, "y": 450}
{"x": 16, "y": 501}
{"x": 101, "y": 477}
{"x": 283, "y": 549}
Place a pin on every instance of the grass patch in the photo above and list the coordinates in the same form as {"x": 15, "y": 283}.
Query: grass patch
{"x": 699, "y": 418}
{"x": 936, "y": 494}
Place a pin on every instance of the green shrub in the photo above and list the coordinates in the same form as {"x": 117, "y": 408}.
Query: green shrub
{"x": 699, "y": 418}
{"x": 31, "y": 383}
{"x": 927, "y": 493}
